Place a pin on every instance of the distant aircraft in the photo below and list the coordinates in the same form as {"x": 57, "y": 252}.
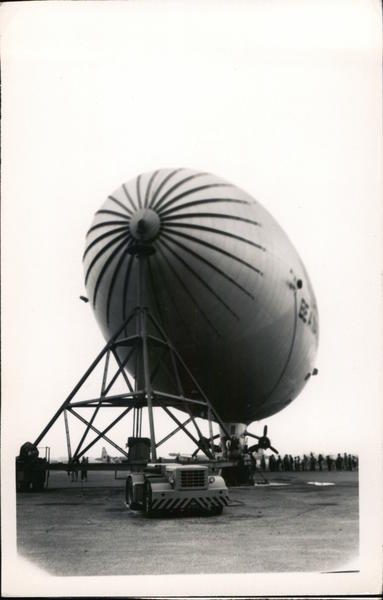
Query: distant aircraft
{"x": 106, "y": 458}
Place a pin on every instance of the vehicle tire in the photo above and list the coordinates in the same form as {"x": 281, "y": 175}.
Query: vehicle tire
{"x": 148, "y": 510}
{"x": 216, "y": 510}
{"x": 129, "y": 495}
{"x": 37, "y": 486}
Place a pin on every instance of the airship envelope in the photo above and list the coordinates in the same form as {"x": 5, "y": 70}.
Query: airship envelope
{"x": 222, "y": 279}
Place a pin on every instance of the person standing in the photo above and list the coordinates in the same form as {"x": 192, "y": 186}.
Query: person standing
{"x": 286, "y": 463}
{"x": 312, "y": 462}
{"x": 345, "y": 461}
{"x": 338, "y": 462}
{"x": 84, "y": 474}
{"x": 272, "y": 463}
{"x": 291, "y": 463}
{"x": 263, "y": 463}
{"x": 320, "y": 461}
{"x": 76, "y": 464}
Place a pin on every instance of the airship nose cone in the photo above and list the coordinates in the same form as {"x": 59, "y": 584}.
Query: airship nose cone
{"x": 145, "y": 224}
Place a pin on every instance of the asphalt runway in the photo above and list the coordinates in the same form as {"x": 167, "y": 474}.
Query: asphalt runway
{"x": 85, "y": 529}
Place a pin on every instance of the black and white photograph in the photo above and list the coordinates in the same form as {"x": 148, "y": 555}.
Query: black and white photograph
{"x": 191, "y": 298}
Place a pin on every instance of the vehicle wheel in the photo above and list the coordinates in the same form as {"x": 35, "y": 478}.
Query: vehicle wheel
{"x": 129, "y": 495}
{"x": 148, "y": 510}
{"x": 216, "y": 510}
{"x": 37, "y": 486}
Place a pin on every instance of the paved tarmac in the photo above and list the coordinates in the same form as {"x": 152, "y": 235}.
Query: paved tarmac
{"x": 291, "y": 525}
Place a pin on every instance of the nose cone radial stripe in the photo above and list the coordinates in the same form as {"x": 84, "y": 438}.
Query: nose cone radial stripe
{"x": 162, "y": 184}
{"x": 201, "y": 188}
{"x": 121, "y": 205}
{"x": 176, "y": 186}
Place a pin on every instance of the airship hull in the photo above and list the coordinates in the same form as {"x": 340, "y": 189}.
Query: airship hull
{"x": 222, "y": 280}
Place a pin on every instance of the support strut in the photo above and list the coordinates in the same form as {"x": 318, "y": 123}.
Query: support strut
{"x": 142, "y": 394}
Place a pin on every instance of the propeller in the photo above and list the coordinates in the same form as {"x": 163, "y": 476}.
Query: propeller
{"x": 264, "y": 442}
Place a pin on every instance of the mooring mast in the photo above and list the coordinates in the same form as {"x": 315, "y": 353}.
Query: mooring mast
{"x": 144, "y": 394}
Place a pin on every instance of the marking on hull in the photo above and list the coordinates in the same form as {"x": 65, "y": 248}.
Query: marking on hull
{"x": 206, "y": 285}
{"x": 209, "y": 264}
{"x": 215, "y": 248}
{"x": 176, "y": 186}
{"x": 165, "y": 213}
{"x": 103, "y": 236}
{"x": 211, "y": 215}
{"x": 154, "y": 289}
{"x": 105, "y": 267}
{"x": 105, "y": 211}
{"x": 149, "y": 187}
{"x": 213, "y": 230}
{"x": 161, "y": 185}
{"x": 103, "y": 224}
{"x": 138, "y": 191}
{"x": 129, "y": 197}
{"x": 121, "y": 204}
{"x": 112, "y": 283}
{"x": 191, "y": 191}
{"x": 187, "y": 291}
{"x": 125, "y": 290}
{"x": 124, "y": 235}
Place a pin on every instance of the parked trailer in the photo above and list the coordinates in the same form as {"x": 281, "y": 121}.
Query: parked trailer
{"x": 32, "y": 472}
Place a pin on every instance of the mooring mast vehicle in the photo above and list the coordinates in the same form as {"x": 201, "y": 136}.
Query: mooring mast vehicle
{"x": 165, "y": 486}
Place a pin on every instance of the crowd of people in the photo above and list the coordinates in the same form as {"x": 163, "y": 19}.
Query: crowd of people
{"x": 310, "y": 462}
{"x": 345, "y": 462}
{"x": 82, "y": 467}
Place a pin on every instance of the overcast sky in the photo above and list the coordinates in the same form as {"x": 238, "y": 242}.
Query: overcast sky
{"x": 290, "y": 113}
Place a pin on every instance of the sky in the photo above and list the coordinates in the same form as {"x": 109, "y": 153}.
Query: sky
{"x": 281, "y": 98}
{"x": 291, "y": 114}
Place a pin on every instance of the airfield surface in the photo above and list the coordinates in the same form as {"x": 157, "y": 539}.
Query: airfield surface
{"x": 84, "y": 529}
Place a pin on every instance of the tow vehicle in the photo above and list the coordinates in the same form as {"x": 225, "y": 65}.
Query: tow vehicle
{"x": 171, "y": 486}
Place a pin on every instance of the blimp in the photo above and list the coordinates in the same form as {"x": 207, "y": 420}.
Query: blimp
{"x": 188, "y": 265}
